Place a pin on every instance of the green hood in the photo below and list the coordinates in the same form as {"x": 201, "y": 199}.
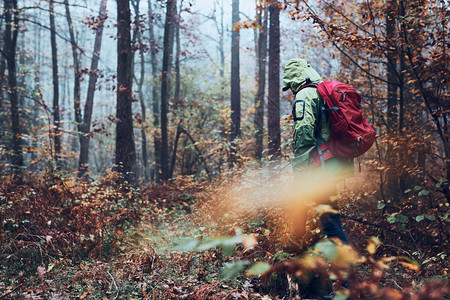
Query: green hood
{"x": 295, "y": 74}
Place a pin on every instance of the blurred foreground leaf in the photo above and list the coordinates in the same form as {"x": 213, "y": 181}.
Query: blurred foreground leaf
{"x": 258, "y": 269}
{"x": 327, "y": 248}
{"x": 372, "y": 245}
{"x": 233, "y": 269}
{"x": 207, "y": 243}
{"x": 186, "y": 244}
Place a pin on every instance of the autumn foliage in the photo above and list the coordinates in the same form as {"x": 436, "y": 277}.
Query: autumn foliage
{"x": 199, "y": 206}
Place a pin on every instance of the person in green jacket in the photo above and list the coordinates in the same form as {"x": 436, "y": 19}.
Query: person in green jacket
{"x": 311, "y": 132}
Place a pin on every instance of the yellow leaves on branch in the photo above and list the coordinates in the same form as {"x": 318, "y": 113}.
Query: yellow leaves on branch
{"x": 294, "y": 14}
{"x": 248, "y": 24}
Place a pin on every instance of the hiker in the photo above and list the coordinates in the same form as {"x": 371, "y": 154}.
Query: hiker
{"x": 311, "y": 130}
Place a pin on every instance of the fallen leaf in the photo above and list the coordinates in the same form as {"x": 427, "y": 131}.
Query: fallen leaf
{"x": 41, "y": 272}
{"x": 249, "y": 241}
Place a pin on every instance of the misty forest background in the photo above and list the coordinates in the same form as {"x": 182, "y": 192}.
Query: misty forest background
{"x": 126, "y": 124}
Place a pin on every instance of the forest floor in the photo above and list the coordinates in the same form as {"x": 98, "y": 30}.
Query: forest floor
{"x": 184, "y": 246}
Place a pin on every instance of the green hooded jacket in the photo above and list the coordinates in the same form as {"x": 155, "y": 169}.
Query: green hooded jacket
{"x": 307, "y": 114}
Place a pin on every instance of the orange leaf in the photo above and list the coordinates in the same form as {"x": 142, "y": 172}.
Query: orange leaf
{"x": 409, "y": 265}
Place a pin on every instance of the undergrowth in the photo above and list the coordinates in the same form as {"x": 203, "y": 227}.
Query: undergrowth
{"x": 63, "y": 238}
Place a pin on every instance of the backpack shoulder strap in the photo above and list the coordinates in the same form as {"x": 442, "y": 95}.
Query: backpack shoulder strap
{"x": 321, "y": 113}
{"x": 314, "y": 85}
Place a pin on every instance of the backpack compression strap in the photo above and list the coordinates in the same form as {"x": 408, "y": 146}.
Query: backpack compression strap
{"x": 322, "y": 154}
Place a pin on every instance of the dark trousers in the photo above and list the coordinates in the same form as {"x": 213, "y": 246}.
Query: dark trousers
{"x": 331, "y": 226}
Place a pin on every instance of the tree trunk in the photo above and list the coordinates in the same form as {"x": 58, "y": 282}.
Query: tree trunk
{"x": 177, "y": 57}
{"x": 221, "y": 42}
{"x": 56, "y": 109}
{"x": 3, "y": 80}
{"x": 10, "y": 40}
{"x": 165, "y": 88}
{"x": 125, "y": 148}
{"x": 156, "y": 172}
{"x": 235, "y": 76}
{"x": 88, "y": 106}
{"x": 261, "y": 82}
{"x": 274, "y": 81}
{"x": 76, "y": 67}
{"x": 76, "y": 75}
{"x": 409, "y": 112}
{"x": 2, "y": 76}
{"x": 37, "y": 123}
{"x": 392, "y": 102}
{"x": 174, "y": 152}
{"x": 138, "y": 36}
{"x": 401, "y": 119}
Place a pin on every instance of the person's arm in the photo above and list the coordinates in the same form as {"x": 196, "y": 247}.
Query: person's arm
{"x": 304, "y": 128}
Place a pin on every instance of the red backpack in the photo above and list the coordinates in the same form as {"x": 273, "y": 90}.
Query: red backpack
{"x": 351, "y": 134}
